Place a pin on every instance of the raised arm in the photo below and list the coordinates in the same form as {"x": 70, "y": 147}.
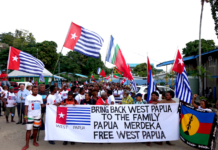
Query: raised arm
{"x": 193, "y": 101}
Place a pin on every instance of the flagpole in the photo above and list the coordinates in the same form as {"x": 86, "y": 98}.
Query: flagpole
{"x": 60, "y": 53}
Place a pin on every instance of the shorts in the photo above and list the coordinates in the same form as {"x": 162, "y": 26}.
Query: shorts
{"x": 33, "y": 122}
{"x": 9, "y": 110}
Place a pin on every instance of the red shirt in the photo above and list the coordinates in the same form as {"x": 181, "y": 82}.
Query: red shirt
{"x": 151, "y": 101}
{"x": 4, "y": 75}
{"x": 100, "y": 101}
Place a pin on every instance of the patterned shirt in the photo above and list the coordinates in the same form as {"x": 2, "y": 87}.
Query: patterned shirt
{"x": 127, "y": 100}
{"x": 142, "y": 102}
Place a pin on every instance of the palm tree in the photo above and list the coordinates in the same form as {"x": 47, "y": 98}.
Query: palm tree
{"x": 202, "y": 8}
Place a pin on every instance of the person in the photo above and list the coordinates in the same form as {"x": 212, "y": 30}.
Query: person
{"x": 29, "y": 87}
{"x": 95, "y": 95}
{"x": 133, "y": 95}
{"x": 203, "y": 104}
{"x": 30, "y": 83}
{"x": 35, "y": 83}
{"x": 88, "y": 100}
{"x": 86, "y": 88}
{"x": 4, "y": 94}
{"x": 1, "y": 92}
{"x": 145, "y": 97}
{"x": 10, "y": 99}
{"x": 139, "y": 99}
{"x": 154, "y": 98}
{"x": 74, "y": 90}
{"x": 52, "y": 99}
{"x": 96, "y": 87}
{"x": 111, "y": 99}
{"x": 102, "y": 100}
{"x": 127, "y": 99}
{"x": 116, "y": 92}
{"x": 32, "y": 115}
{"x": 4, "y": 79}
{"x": 64, "y": 93}
{"x": 69, "y": 101}
{"x": 169, "y": 96}
{"x": 81, "y": 95}
{"x": 20, "y": 100}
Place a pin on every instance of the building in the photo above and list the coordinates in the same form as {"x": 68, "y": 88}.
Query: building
{"x": 19, "y": 76}
{"x": 209, "y": 63}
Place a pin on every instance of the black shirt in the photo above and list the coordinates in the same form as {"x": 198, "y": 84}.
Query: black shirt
{"x": 90, "y": 102}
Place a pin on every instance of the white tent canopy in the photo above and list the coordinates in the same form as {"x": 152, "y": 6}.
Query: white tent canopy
{"x": 45, "y": 73}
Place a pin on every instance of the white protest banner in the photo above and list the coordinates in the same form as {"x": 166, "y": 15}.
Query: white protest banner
{"x": 112, "y": 124}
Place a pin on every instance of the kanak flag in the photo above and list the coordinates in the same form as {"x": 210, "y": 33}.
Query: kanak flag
{"x": 66, "y": 115}
{"x": 123, "y": 81}
{"x": 21, "y": 61}
{"x": 83, "y": 41}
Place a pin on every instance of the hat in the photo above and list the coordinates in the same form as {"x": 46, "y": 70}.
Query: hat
{"x": 11, "y": 87}
{"x": 70, "y": 93}
{"x": 139, "y": 94}
{"x": 109, "y": 92}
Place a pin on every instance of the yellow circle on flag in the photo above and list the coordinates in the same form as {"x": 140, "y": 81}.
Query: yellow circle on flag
{"x": 190, "y": 124}
{"x": 109, "y": 79}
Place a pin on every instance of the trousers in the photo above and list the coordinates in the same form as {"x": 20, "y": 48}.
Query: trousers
{"x": 21, "y": 116}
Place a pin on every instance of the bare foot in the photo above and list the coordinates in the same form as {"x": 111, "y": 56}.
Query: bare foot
{"x": 25, "y": 147}
{"x": 36, "y": 144}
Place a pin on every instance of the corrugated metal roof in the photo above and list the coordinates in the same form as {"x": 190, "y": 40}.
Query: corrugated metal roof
{"x": 80, "y": 75}
{"x": 185, "y": 58}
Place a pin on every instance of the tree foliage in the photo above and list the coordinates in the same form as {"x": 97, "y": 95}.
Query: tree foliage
{"x": 46, "y": 51}
{"x": 214, "y": 10}
{"x": 192, "y": 47}
{"x": 141, "y": 70}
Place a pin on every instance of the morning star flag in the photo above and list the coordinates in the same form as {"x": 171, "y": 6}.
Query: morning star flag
{"x": 101, "y": 72}
{"x": 182, "y": 87}
{"x": 83, "y": 41}
{"x": 151, "y": 86}
{"x": 73, "y": 116}
{"x": 115, "y": 56}
{"x": 133, "y": 85}
{"x": 21, "y": 61}
{"x": 198, "y": 128}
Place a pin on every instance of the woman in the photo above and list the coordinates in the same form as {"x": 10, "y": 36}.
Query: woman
{"x": 29, "y": 88}
{"x": 203, "y": 104}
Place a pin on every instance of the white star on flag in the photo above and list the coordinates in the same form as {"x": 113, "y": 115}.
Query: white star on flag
{"x": 73, "y": 36}
{"x": 15, "y": 58}
{"x": 61, "y": 115}
{"x": 180, "y": 61}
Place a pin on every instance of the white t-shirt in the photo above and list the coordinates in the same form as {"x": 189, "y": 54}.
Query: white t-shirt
{"x": 5, "y": 92}
{"x": 118, "y": 92}
{"x": 11, "y": 99}
{"x": 110, "y": 99}
{"x": 1, "y": 90}
{"x": 52, "y": 99}
{"x": 79, "y": 98}
{"x": 31, "y": 92}
{"x": 207, "y": 109}
{"x": 64, "y": 94}
{"x": 34, "y": 105}
{"x": 58, "y": 97}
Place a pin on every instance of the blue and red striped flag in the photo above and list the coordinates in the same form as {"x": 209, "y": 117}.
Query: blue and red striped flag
{"x": 182, "y": 87}
{"x": 21, "y": 61}
{"x": 150, "y": 80}
{"x": 83, "y": 41}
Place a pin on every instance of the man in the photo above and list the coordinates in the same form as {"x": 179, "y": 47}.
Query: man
{"x": 81, "y": 95}
{"x": 1, "y": 92}
{"x": 127, "y": 99}
{"x": 32, "y": 115}
{"x": 154, "y": 98}
{"x": 44, "y": 95}
{"x": 64, "y": 93}
{"x": 3, "y": 96}
{"x": 133, "y": 95}
{"x": 96, "y": 88}
{"x": 4, "y": 79}
{"x": 52, "y": 98}
{"x": 10, "y": 99}
{"x": 169, "y": 96}
{"x": 102, "y": 100}
{"x": 87, "y": 100}
{"x": 116, "y": 92}
{"x": 86, "y": 88}
{"x": 111, "y": 99}
{"x": 20, "y": 100}
{"x": 139, "y": 99}
{"x": 69, "y": 101}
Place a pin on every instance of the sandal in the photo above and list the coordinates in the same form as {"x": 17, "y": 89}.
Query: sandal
{"x": 36, "y": 144}
{"x": 25, "y": 147}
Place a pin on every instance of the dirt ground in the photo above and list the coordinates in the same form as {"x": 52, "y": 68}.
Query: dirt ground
{"x": 12, "y": 137}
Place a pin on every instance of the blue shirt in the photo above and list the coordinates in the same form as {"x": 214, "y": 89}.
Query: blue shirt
{"x": 23, "y": 94}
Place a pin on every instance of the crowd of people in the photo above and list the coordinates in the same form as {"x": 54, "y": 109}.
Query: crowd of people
{"x": 31, "y": 101}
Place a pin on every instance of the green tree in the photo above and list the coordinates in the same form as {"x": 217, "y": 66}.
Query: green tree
{"x": 141, "y": 70}
{"x": 214, "y": 10}
{"x": 192, "y": 47}
{"x": 7, "y": 38}
{"x": 47, "y": 53}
